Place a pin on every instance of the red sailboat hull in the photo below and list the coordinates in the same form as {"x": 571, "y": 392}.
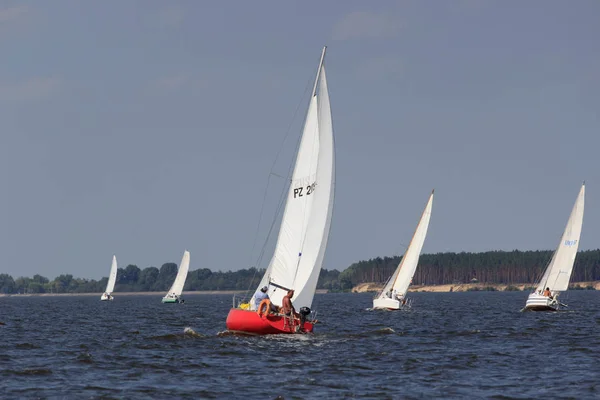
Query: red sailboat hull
{"x": 239, "y": 320}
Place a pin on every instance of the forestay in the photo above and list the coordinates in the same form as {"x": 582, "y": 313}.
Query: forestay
{"x": 400, "y": 280}
{"x": 558, "y": 272}
{"x": 304, "y": 231}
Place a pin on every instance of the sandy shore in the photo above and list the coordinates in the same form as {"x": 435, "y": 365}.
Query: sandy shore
{"x": 373, "y": 287}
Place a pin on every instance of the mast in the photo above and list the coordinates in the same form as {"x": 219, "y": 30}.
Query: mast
{"x": 314, "y": 91}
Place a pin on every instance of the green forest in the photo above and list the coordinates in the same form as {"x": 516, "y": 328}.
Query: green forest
{"x": 494, "y": 267}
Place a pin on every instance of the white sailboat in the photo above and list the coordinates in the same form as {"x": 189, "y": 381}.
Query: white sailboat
{"x": 558, "y": 273}
{"x": 174, "y": 293}
{"x": 393, "y": 295}
{"x": 112, "y": 279}
{"x": 298, "y": 256}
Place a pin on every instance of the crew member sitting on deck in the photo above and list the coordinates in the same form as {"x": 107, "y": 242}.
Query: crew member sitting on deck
{"x": 547, "y": 292}
{"x": 260, "y": 295}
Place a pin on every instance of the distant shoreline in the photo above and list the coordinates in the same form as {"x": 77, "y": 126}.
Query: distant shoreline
{"x": 362, "y": 288}
{"x": 161, "y": 294}
{"x": 464, "y": 287}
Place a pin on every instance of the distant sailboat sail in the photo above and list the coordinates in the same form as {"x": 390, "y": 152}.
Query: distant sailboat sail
{"x": 558, "y": 273}
{"x": 306, "y": 221}
{"x": 174, "y": 293}
{"x": 398, "y": 284}
{"x": 112, "y": 279}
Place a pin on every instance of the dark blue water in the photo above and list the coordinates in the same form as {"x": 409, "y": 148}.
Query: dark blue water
{"x": 449, "y": 345}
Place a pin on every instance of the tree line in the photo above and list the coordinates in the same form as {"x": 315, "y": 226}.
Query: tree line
{"x": 494, "y": 267}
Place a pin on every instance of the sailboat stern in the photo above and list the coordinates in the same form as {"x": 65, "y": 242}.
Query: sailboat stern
{"x": 252, "y": 322}
{"x": 106, "y": 297}
{"x": 538, "y": 302}
{"x": 385, "y": 303}
{"x": 172, "y": 299}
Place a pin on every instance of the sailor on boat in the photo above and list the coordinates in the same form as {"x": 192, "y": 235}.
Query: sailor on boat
{"x": 287, "y": 306}
{"x": 547, "y": 293}
{"x": 290, "y": 312}
{"x": 260, "y": 295}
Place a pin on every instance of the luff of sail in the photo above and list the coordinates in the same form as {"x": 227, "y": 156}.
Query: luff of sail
{"x": 304, "y": 231}
{"x": 403, "y": 275}
{"x": 112, "y": 276}
{"x": 558, "y": 272}
{"x": 184, "y": 266}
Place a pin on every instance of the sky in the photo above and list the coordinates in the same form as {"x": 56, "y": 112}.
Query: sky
{"x": 144, "y": 128}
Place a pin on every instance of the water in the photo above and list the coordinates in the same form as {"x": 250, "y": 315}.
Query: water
{"x": 449, "y": 345}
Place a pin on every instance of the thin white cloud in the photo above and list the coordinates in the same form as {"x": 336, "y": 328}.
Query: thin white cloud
{"x": 172, "y": 82}
{"x": 383, "y": 67}
{"x": 29, "y": 90}
{"x": 170, "y": 17}
{"x": 363, "y": 24}
{"x": 12, "y": 13}
{"x": 177, "y": 82}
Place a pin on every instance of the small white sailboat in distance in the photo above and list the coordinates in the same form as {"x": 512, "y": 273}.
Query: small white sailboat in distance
{"x": 393, "y": 295}
{"x": 558, "y": 273}
{"x": 112, "y": 279}
{"x": 174, "y": 294}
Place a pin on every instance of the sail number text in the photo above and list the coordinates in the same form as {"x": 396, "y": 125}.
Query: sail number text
{"x": 304, "y": 190}
{"x": 570, "y": 242}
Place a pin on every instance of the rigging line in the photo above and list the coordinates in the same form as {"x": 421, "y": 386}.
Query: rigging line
{"x": 279, "y": 176}
{"x": 333, "y": 179}
{"x": 284, "y": 191}
{"x": 316, "y": 138}
{"x": 289, "y": 129}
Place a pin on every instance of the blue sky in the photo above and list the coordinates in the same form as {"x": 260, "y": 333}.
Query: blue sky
{"x": 143, "y": 128}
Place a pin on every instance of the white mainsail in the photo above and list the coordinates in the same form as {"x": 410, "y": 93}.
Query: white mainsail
{"x": 558, "y": 273}
{"x": 112, "y": 277}
{"x": 179, "y": 282}
{"x": 400, "y": 280}
{"x": 306, "y": 221}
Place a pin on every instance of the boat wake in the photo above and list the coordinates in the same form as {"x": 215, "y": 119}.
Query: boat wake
{"x": 190, "y": 332}
{"x": 227, "y": 333}
{"x": 376, "y": 332}
{"x": 186, "y": 334}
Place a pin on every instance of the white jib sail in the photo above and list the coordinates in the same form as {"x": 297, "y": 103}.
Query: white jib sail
{"x": 184, "y": 267}
{"x": 112, "y": 277}
{"x": 558, "y": 272}
{"x": 400, "y": 280}
{"x": 304, "y": 231}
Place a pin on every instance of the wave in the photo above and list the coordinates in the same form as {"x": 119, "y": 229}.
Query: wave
{"x": 30, "y": 371}
{"x": 27, "y": 346}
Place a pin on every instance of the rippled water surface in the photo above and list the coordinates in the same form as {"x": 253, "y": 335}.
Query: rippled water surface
{"x": 449, "y": 345}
